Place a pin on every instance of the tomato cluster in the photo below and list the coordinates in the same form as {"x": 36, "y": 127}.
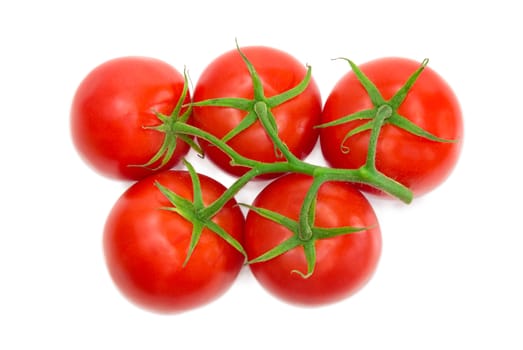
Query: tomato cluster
{"x": 176, "y": 239}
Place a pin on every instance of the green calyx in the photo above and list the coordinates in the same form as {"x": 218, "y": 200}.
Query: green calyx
{"x": 304, "y": 231}
{"x": 379, "y": 103}
{"x": 168, "y": 128}
{"x": 259, "y": 106}
{"x": 195, "y": 213}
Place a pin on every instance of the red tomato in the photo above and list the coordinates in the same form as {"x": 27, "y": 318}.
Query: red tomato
{"x": 228, "y": 76}
{"x": 416, "y": 162}
{"x": 146, "y": 246}
{"x": 112, "y": 106}
{"x": 343, "y": 263}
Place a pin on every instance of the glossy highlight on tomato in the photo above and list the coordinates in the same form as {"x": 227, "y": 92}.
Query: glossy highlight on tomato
{"x": 228, "y": 76}
{"x": 113, "y": 110}
{"x": 416, "y": 162}
{"x": 344, "y": 264}
{"x": 146, "y": 245}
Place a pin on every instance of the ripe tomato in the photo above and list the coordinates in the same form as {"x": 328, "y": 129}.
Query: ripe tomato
{"x": 228, "y": 76}
{"x": 414, "y": 161}
{"x": 343, "y": 263}
{"x": 146, "y": 246}
{"x": 112, "y": 106}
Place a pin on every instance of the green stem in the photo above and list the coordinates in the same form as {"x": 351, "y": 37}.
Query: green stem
{"x": 226, "y": 196}
{"x": 384, "y": 183}
{"x": 366, "y": 174}
{"x": 307, "y": 212}
{"x": 260, "y": 169}
{"x": 236, "y": 158}
{"x": 383, "y": 112}
{"x": 269, "y": 124}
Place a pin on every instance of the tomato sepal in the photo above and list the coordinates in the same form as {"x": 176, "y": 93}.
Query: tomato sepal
{"x": 378, "y": 101}
{"x": 192, "y": 212}
{"x": 167, "y": 127}
{"x": 252, "y": 106}
{"x": 297, "y": 239}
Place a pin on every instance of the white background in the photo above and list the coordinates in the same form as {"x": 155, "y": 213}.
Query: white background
{"x": 451, "y": 274}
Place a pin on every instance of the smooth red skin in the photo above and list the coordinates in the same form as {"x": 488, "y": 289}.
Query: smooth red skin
{"x": 110, "y": 109}
{"x": 227, "y": 76}
{"x": 146, "y": 246}
{"x": 419, "y": 164}
{"x": 344, "y": 263}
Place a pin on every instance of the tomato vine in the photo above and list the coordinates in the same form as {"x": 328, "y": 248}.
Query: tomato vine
{"x": 259, "y": 109}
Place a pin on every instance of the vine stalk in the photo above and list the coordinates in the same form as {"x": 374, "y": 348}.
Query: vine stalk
{"x": 259, "y": 110}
